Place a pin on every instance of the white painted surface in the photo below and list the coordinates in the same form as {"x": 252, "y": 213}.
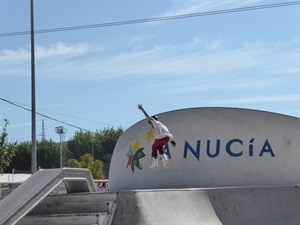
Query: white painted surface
{"x": 255, "y": 148}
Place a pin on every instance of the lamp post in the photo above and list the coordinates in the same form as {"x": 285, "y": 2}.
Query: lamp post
{"x": 93, "y": 148}
{"x": 60, "y": 131}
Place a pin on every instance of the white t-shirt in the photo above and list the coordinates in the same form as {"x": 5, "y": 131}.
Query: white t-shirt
{"x": 161, "y": 130}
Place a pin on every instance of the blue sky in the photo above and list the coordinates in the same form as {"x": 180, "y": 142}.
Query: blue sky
{"x": 94, "y": 78}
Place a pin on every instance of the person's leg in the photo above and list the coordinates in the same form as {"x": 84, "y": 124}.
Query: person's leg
{"x": 158, "y": 145}
{"x": 154, "y": 161}
{"x": 154, "y": 148}
{"x": 161, "y": 144}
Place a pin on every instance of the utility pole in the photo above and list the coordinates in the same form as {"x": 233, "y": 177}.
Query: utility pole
{"x": 61, "y": 132}
{"x": 33, "y": 108}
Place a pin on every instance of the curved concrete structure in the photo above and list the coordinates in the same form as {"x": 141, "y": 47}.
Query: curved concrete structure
{"x": 219, "y": 206}
{"x": 217, "y": 147}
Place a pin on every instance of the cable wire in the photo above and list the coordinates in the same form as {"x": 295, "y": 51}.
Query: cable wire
{"x": 51, "y": 118}
{"x": 68, "y": 115}
{"x": 154, "y": 19}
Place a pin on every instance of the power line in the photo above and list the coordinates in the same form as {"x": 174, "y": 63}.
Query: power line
{"x": 76, "y": 117}
{"x": 18, "y": 104}
{"x": 68, "y": 115}
{"x": 154, "y": 19}
{"x": 51, "y": 118}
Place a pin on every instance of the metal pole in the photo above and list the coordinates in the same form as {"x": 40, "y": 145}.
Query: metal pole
{"x": 33, "y": 108}
{"x": 60, "y": 151}
{"x": 93, "y": 149}
{"x": 61, "y": 131}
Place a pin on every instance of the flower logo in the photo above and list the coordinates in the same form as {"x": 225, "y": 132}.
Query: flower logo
{"x": 134, "y": 154}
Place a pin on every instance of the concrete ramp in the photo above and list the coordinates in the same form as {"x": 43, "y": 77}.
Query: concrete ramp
{"x": 22, "y": 200}
{"x": 164, "y": 207}
{"x": 257, "y": 205}
{"x": 225, "y": 206}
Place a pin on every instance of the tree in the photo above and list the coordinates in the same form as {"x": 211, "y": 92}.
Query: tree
{"x": 48, "y": 154}
{"x": 80, "y": 144}
{"x": 101, "y": 143}
{"x": 87, "y": 161}
{"x": 6, "y": 150}
{"x": 22, "y": 158}
{"x": 107, "y": 141}
{"x": 73, "y": 163}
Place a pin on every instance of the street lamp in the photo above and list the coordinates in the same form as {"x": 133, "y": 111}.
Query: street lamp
{"x": 60, "y": 131}
{"x": 93, "y": 148}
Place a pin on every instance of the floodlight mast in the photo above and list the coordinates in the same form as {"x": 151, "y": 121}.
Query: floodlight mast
{"x": 60, "y": 131}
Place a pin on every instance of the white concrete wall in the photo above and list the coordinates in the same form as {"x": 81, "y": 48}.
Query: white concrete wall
{"x": 217, "y": 147}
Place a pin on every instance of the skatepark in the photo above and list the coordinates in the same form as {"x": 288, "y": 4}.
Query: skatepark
{"x": 231, "y": 166}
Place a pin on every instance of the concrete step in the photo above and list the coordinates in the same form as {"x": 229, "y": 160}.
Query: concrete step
{"x": 66, "y": 219}
{"x": 75, "y": 203}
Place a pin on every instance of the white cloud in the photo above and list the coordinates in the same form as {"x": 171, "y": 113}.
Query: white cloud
{"x": 61, "y": 49}
{"x": 17, "y": 62}
{"x": 9, "y": 56}
{"x": 260, "y": 99}
{"x": 197, "y": 58}
{"x": 225, "y": 85}
{"x": 216, "y": 58}
{"x": 188, "y": 7}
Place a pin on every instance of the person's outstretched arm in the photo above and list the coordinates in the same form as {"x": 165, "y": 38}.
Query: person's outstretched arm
{"x": 140, "y": 106}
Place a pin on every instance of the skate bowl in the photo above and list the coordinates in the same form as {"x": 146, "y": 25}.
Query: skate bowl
{"x": 231, "y": 167}
{"x": 212, "y": 206}
{"x": 216, "y": 147}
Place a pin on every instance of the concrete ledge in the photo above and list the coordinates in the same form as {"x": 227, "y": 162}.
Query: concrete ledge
{"x": 75, "y": 203}
{"x": 65, "y": 219}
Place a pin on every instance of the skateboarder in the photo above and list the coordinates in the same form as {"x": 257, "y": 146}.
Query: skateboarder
{"x": 162, "y": 137}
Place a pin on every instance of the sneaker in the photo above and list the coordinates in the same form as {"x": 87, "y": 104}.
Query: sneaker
{"x": 165, "y": 160}
{"x": 154, "y": 163}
